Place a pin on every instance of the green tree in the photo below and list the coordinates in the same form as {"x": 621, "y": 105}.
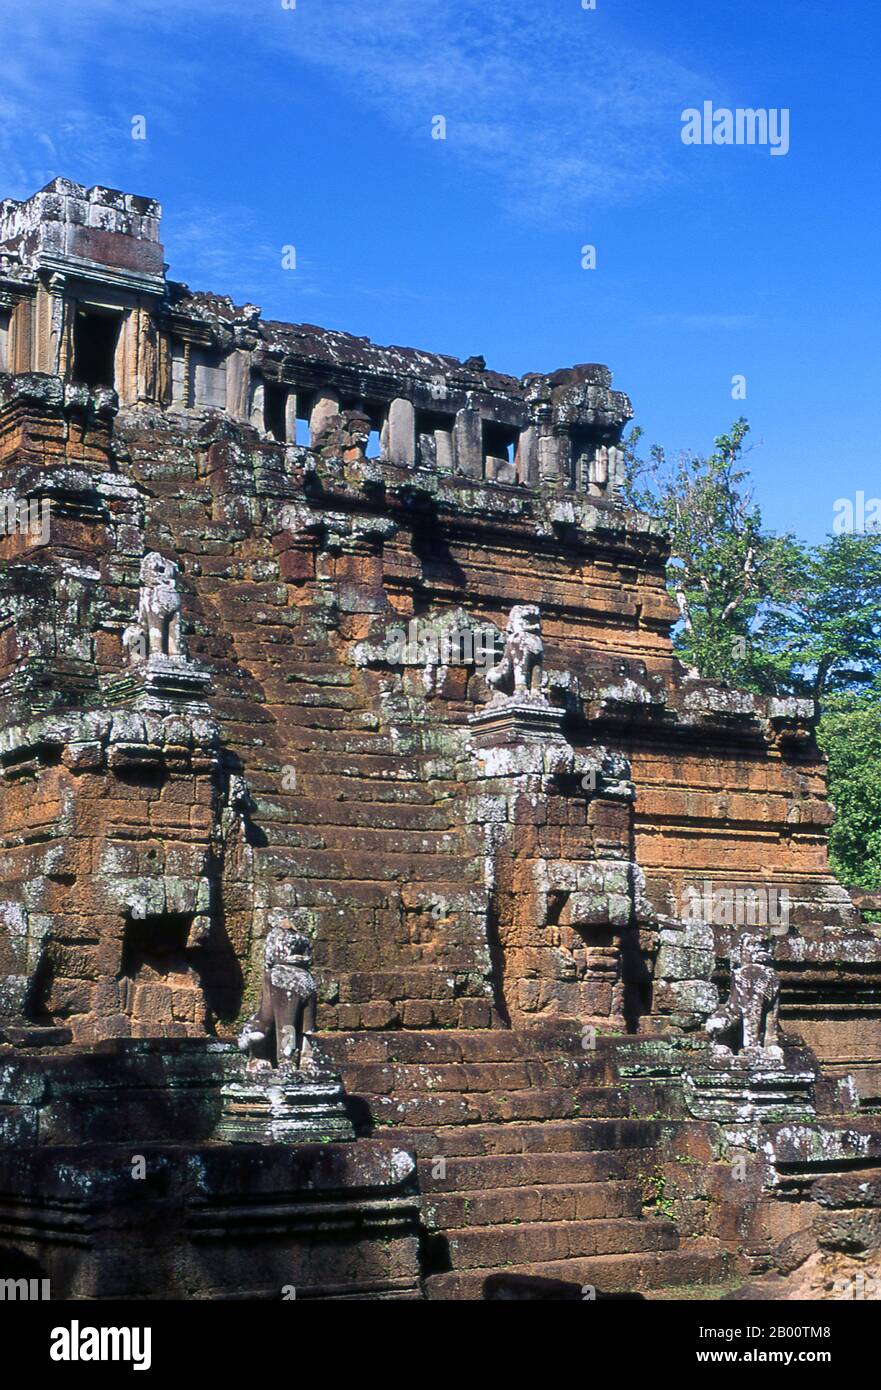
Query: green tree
{"x": 850, "y": 735}
{"x": 725, "y": 568}
{"x": 826, "y": 643}
{"x": 770, "y": 614}
{"x": 824, "y": 637}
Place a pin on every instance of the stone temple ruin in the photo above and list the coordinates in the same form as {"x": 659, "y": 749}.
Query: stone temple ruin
{"x": 383, "y": 907}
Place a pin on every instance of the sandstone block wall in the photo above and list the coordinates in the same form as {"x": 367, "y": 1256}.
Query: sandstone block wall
{"x": 450, "y": 875}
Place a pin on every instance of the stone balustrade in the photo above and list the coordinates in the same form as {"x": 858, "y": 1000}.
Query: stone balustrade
{"x": 84, "y": 296}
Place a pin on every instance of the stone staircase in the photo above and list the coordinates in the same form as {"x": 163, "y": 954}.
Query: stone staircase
{"x": 534, "y": 1160}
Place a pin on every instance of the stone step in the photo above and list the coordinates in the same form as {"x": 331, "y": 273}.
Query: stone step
{"x": 701, "y": 1264}
{"x": 433, "y": 1046}
{"x": 164, "y": 1089}
{"x": 551, "y": 1136}
{"x": 396, "y": 1078}
{"x": 487, "y": 1107}
{"x": 489, "y": 1172}
{"x": 546, "y": 1202}
{"x": 181, "y": 1064}
{"x": 485, "y": 1247}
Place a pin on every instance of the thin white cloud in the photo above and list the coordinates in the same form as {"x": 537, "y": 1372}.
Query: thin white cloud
{"x": 556, "y": 115}
{"x": 230, "y": 252}
{"x": 552, "y": 111}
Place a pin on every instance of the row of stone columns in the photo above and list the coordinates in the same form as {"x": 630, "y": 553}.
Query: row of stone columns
{"x": 545, "y": 456}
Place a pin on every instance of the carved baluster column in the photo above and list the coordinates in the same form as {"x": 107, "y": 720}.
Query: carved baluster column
{"x": 468, "y": 442}
{"x": 401, "y": 433}
{"x": 325, "y": 405}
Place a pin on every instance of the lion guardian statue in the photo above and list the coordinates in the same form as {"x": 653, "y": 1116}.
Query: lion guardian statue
{"x": 519, "y": 672}
{"x": 157, "y": 629}
{"x": 280, "y": 1032}
{"x": 748, "y": 1022}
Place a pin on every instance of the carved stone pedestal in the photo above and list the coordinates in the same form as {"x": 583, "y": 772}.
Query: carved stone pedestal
{"x": 749, "y": 1087}
{"x": 275, "y": 1106}
{"x": 161, "y": 680}
{"x": 517, "y": 718}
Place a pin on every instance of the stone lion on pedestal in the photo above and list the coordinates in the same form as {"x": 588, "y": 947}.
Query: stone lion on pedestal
{"x": 748, "y": 1022}
{"x": 157, "y": 629}
{"x": 280, "y": 1032}
{"x": 519, "y": 672}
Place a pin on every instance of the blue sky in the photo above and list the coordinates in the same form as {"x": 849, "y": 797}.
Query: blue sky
{"x": 311, "y": 126}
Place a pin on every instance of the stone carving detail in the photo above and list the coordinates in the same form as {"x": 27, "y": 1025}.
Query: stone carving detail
{"x": 237, "y": 807}
{"x": 280, "y": 1032}
{"x": 748, "y": 1022}
{"x": 157, "y": 629}
{"x": 519, "y": 673}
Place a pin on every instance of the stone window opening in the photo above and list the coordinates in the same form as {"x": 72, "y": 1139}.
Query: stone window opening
{"x": 376, "y": 415}
{"x": 181, "y": 375}
{"x": 500, "y": 451}
{"x": 581, "y": 454}
{"x": 95, "y": 336}
{"x": 434, "y": 438}
{"x": 158, "y": 984}
{"x": 158, "y": 940}
{"x": 145, "y": 775}
{"x": 275, "y": 400}
{"x": 298, "y": 416}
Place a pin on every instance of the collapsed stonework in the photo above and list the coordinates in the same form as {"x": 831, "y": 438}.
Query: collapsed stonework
{"x": 246, "y": 677}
